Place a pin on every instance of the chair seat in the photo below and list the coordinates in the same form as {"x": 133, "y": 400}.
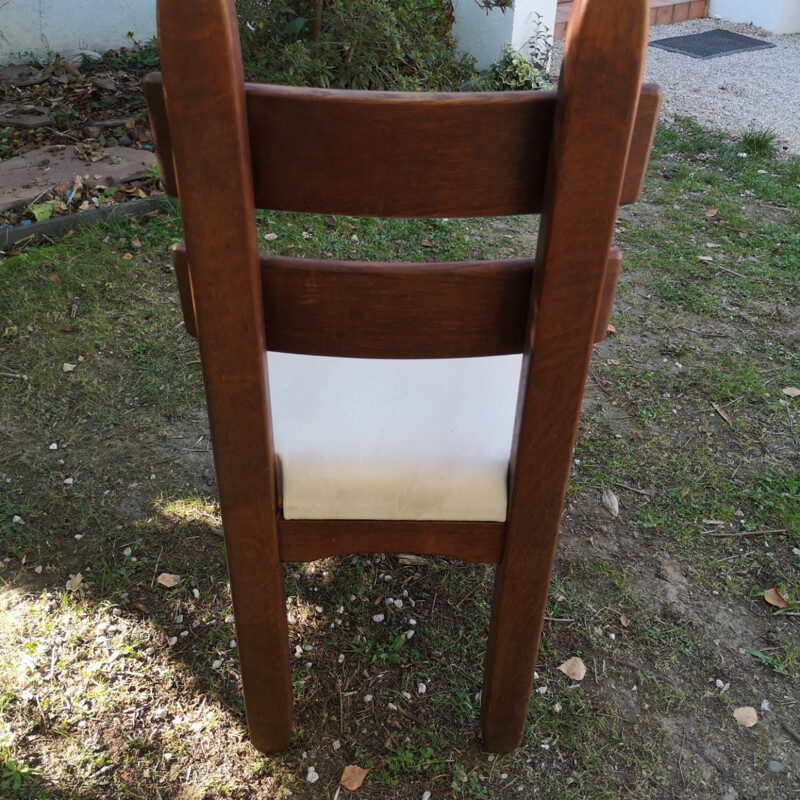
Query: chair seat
{"x": 377, "y": 439}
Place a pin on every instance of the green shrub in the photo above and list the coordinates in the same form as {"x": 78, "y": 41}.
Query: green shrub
{"x": 352, "y": 44}
{"x": 515, "y": 72}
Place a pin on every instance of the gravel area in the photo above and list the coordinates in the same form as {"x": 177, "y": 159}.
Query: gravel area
{"x": 759, "y": 89}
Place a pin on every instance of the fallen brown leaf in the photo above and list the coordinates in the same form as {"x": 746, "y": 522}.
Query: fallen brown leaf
{"x": 775, "y": 598}
{"x": 711, "y": 212}
{"x": 746, "y": 716}
{"x": 352, "y": 777}
{"x": 574, "y": 668}
{"x": 427, "y": 243}
{"x": 611, "y": 330}
{"x": 168, "y": 580}
{"x": 791, "y": 391}
{"x": 624, "y": 620}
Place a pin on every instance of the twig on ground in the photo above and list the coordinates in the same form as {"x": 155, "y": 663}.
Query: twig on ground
{"x": 639, "y": 668}
{"x": 708, "y": 759}
{"x": 704, "y": 335}
{"x": 155, "y": 569}
{"x": 791, "y": 731}
{"x": 736, "y": 555}
{"x": 776, "y": 532}
{"x": 409, "y": 715}
{"x": 600, "y": 384}
{"x": 632, "y": 489}
{"x": 722, "y": 413}
{"x": 12, "y": 456}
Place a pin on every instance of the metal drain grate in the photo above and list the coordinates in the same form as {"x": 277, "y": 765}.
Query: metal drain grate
{"x": 711, "y": 44}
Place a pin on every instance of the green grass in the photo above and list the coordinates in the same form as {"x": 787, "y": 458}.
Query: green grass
{"x": 641, "y": 598}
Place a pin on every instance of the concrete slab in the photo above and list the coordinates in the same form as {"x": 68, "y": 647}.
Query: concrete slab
{"x": 19, "y": 115}
{"x": 26, "y": 177}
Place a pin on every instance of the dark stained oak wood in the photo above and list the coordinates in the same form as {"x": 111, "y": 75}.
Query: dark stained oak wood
{"x": 596, "y": 108}
{"x": 573, "y": 156}
{"x": 185, "y": 291}
{"x": 309, "y": 540}
{"x": 613, "y": 267}
{"x": 205, "y": 102}
{"x": 373, "y": 310}
{"x": 644, "y": 130}
{"x": 405, "y": 154}
{"x": 157, "y": 108}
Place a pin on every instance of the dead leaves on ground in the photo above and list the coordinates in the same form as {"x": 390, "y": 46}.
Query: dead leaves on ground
{"x": 775, "y": 598}
{"x": 746, "y": 716}
{"x": 352, "y": 777}
{"x": 610, "y": 502}
{"x": 573, "y": 668}
{"x": 168, "y": 580}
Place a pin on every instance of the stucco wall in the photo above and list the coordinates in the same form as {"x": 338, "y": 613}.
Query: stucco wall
{"x": 778, "y": 16}
{"x": 40, "y": 27}
{"x": 482, "y": 35}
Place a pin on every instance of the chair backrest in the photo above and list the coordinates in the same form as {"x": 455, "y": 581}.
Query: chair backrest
{"x": 399, "y": 155}
{"x": 227, "y": 147}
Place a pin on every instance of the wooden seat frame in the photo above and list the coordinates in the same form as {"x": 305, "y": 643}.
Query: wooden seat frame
{"x": 573, "y": 156}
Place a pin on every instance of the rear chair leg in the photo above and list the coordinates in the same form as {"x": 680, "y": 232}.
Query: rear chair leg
{"x": 518, "y": 607}
{"x": 262, "y": 638}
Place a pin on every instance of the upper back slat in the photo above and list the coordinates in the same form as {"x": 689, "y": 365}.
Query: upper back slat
{"x": 391, "y": 154}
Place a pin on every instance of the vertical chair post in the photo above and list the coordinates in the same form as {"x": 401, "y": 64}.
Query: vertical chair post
{"x": 201, "y": 57}
{"x": 596, "y": 106}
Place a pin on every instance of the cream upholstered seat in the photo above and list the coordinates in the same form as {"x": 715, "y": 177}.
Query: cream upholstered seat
{"x": 391, "y": 439}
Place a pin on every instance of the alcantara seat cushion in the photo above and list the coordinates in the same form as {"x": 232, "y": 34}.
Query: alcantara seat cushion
{"x": 381, "y": 439}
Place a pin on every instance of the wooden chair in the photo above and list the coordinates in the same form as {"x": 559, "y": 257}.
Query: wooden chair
{"x": 227, "y": 147}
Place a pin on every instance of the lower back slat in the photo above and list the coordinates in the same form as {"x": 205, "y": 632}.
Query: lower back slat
{"x": 309, "y": 540}
{"x": 376, "y": 310}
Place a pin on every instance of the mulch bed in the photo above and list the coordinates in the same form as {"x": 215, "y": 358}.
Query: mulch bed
{"x": 90, "y": 107}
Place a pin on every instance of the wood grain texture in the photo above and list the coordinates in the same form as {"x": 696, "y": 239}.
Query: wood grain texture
{"x": 405, "y": 154}
{"x": 613, "y": 267}
{"x": 573, "y": 156}
{"x": 308, "y": 540}
{"x": 375, "y": 310}
{"x": 157, "y": 109}
{"x": 205, "y": 102}
{"x": 597, "y": 104}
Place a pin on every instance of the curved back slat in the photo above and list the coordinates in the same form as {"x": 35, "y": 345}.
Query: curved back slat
{"x": 357, "y": 309}
{"x": 391, "y": 154}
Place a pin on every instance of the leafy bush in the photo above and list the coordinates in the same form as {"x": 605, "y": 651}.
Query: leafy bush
{"x": 352, "y": 44}
{"x": 514, "y": 71}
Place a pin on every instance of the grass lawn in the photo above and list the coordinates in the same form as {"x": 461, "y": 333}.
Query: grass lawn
{"x": 112, "y": 686}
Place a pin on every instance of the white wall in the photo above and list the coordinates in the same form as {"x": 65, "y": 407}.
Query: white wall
{"x": 778, "y": 16}
{"x": 482, "y": 35}
{"x": 40, "y": 27}
{"x": 65, "y": 26}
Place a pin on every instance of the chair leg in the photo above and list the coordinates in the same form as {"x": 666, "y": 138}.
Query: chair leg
{"x": 518, "y": 607}
{"x": 259, "y": 605}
